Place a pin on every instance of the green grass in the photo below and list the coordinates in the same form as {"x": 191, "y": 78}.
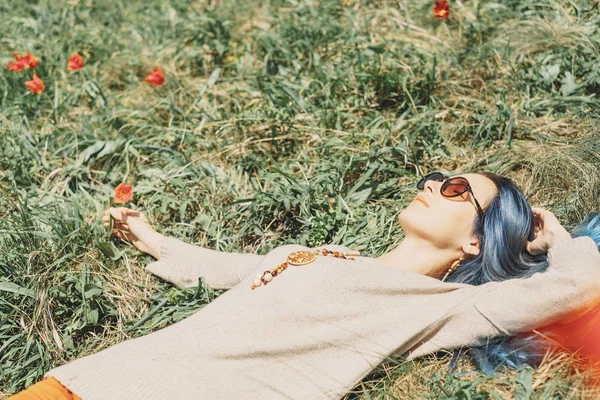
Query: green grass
{"x": 279, "y": 122}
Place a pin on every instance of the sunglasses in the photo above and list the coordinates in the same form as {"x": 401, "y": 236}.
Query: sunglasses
{"x": 452, "y": 187}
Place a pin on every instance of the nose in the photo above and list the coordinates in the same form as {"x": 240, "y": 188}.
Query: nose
{"x": 430, "y": 186}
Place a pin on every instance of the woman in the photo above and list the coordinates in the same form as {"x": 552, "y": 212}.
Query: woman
{"x": 309, "y": 325}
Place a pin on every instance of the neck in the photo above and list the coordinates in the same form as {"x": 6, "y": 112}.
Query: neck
{"x": 419, "y": 256}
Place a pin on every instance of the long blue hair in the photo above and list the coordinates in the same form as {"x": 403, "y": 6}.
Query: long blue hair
{"x": 507, "y": 224}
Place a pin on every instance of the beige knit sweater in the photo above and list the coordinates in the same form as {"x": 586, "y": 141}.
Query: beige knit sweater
{"x": 316, "y": 330}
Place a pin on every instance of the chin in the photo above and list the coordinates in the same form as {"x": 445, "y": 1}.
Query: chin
{"x": 414, "y": 222}
{"x": 407, "y": 219}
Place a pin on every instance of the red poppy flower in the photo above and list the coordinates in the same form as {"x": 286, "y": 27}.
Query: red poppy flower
{"x": 16, "y": 66}
{"x": 155, "y": 77}
{"x": 441, "y": 9}
{"x": 123, "y": 193}
{"x": 27, "y": 61}
{"x": 75, "y": 62}
{"x": 35, "y": 85}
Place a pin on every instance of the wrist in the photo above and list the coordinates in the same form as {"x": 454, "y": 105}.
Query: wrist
{"x": 558, "y": 238}
{"x": 155, "y": 245}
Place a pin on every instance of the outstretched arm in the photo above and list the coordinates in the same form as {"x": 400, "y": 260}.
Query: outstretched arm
{"x": 178, "y": 262}
{"x": 182, "y": 264}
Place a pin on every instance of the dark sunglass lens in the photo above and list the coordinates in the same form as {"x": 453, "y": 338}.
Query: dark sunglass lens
{"x": 454, "y": 187}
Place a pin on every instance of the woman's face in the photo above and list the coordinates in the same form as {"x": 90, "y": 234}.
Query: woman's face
{"x": 447, "y": 223}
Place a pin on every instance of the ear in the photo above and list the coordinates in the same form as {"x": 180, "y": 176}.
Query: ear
{"x": 471, "y": 248}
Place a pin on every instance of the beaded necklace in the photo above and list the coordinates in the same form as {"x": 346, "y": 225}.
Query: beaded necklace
{"x": 298, "y": 258}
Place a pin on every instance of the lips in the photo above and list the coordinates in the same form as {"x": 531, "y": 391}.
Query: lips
{"x": 422, "y": 200}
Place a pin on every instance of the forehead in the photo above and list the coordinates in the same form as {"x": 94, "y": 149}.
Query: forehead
{"x": 483, "y": 188}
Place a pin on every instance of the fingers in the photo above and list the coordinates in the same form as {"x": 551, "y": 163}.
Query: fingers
{"x": 122, "y": 232}
{"x": 122, "y": 213}
{"x": 121, "y": 227}
{"x": 118, "y": 213}
{"x": 549, "y": 231}
{"x": 119, "y": 234}
{"x": 116, "y": 224}
{"x": 123, "y": 237}
{"x": 539, "y": 214}
{"x": 544, "y": 217}
{"x": 542, "y": 212}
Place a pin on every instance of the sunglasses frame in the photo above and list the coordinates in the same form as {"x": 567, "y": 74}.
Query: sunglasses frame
{"x": 439, "y": 177}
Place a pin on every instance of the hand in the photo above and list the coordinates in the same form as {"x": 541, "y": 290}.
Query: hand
{"x": 133, "y": 226}
{"x": 548, "y": 232}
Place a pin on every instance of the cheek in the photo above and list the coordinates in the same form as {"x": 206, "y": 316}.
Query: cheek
{"x": 445, "y": 225}
{"x": 456, "y": 218}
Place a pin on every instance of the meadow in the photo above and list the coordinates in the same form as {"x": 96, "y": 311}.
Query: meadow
{"x": 279, "y": 121}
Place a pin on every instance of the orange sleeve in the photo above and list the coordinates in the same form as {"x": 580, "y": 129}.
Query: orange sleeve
{"x": 48, "y": 389}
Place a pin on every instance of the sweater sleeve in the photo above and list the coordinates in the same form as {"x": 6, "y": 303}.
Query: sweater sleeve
{"x": 182, "y": 264}
{"x": 567, "y": 289}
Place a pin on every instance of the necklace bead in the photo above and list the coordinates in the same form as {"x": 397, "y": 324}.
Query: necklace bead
{"x": 298, "y": 258}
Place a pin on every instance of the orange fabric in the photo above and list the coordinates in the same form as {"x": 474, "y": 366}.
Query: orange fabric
{"x": 48, "y": 389}
{"x": 581, "y": 335}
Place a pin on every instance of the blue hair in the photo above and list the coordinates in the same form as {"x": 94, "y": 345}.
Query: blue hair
{"x": 507, "y": 224}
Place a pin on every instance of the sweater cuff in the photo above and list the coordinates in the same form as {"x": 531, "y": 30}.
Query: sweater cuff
{"x": 168, "y": 249}
{"x": 171, "y": 267}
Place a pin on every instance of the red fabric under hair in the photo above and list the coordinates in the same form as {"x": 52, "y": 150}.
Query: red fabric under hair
{"x": 582, "y": 336}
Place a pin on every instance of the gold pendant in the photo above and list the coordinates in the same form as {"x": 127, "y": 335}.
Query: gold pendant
{"x": 302, "y": 257}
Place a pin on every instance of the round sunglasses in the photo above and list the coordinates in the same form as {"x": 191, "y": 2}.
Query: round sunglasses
{"x": 452, "y": 187}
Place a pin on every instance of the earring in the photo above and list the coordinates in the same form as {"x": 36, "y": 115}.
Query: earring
{"x": 454, "y": 265}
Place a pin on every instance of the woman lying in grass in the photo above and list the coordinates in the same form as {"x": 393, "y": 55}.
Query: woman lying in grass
{"x": 303, "y": 323}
